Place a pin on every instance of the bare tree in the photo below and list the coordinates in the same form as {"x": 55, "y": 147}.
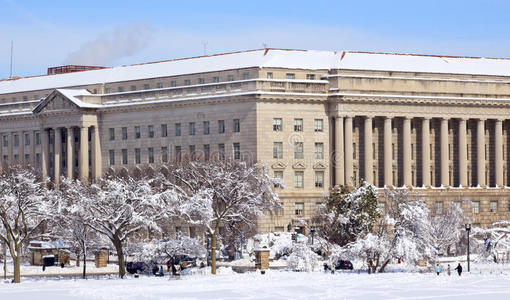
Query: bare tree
{"x": 24, "y": 207}
{"x": 447, "y": 227}
{"x": 214, "y": 194}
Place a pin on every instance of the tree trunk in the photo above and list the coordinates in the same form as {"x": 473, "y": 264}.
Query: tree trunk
{"x": 213, "y": 253}
{"x": 78, "y": 254}
{"x": 84, "y": 265}
{"x": 381, "y": 270}
{"x": 17, "y": 268}
{"x": 120, "y": 255}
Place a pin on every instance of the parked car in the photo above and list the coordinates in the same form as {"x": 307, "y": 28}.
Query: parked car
{"x": 139, "y": 267}
{"x": 343, "y": 265}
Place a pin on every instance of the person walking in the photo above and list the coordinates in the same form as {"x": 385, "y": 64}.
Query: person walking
{"x": 449, "y": 272}
{"x": 438, "y": 269}
{"x": 459, "y": 269}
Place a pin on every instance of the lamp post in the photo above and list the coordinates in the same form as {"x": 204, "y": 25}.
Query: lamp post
{"x": 312, "y": 231}
{"x": 468, "y": 229}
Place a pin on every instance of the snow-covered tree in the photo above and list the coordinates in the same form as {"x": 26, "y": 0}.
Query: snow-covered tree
{"x": 118, "y": 207}
{"x": 160, "y": 251}
{"x": 448, "y": 227}
{"x": 348, "y": 214}
{"x": 302, "y": 258}
{"x": 24, "y": 207}
{"x": 404, "y": 232}
{"x": 213, "y": 194}
{"x": 493, "y": 242}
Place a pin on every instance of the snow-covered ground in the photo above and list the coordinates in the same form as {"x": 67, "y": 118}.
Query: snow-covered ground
{"x": 69, "y": 270}
{"x": 272, "y": 285}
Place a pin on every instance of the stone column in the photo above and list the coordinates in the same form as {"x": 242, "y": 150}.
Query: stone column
{"x": 445, "y": 178}
{"x": 83, "y": 156}
{"x": 96, "y": 153}
{"x": 425, "y": 152}
{"x": 70, "y": 152}
{"x": 58, "y": 155}
{"x": 339, "y": 151}
{"x": 369, "y": 164}
{"x": 498, "y": 157}
{"x": 21, "y": 149}
{"x": 11, "y": 145}
{"x": 32, "y": 149}
{"x": 463, "y": 153}
{"x": 407, "y": 152}
{"x": 388, "y": 155}
{"x": 348, "y": 150}
{"x": 480, "y": 152}
{"x": 45, "y": 157}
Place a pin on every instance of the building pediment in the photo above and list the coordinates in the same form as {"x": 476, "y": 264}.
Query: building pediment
{"x": 63, "y": 100}
{"x": 278, "y": 165}
{"x": 299, "y": 165}
{"x": 319, "y": 166}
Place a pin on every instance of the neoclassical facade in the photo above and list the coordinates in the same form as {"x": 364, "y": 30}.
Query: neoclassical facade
{"x": 436, "y": 125}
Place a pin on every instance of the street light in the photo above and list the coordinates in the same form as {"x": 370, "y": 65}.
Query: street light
{"x": 312, "y": 231}
{"x": 468, "y": 229}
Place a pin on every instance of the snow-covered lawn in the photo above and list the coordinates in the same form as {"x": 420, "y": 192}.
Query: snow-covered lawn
{"x": 273, "y": 285}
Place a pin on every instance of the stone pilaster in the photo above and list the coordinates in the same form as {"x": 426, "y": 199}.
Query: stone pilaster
{"x": 388, "y": 159}
{"x": 339, "y": 151}
{"x": 480, "y": 152}
{"x": 83, "y": 155}
{"x": 445, "y": 176}
{"x": 425, "y": 152}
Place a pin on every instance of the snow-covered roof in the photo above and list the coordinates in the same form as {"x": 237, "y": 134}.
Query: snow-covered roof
{"x": 425, "y": 63}
{"x": 278, "y": 58}
{"x": 70, "y": 94}
{"x": 40, "y": 245}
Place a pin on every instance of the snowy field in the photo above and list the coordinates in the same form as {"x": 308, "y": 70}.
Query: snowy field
{"x": 273, "y": 285}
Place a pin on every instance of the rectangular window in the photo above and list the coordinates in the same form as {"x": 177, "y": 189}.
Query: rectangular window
{"x": 206, "y": 127}
{"x": 191, "y": 128}
{"x": 38, "y": 138}
{"x": 290, "y": 76}
{"x": 146, "y": 86}
{"x": 246, "y": 76}
{"x": 298, "y": 150}
{"x": 278, "y": 175}
{"x": 159, "y": 85}
{"x": 278, "y": 211}
{"x": 192, "y": 150}
{"x": 27, "y": 157}
{"x": 201, "y": 81}
{"x": 216, "y": 79}
{"x": 124, "y": 156}
{"x": 27, "y": 139}
{"x": 310, "y": 76}
{"x": 16, "y": 159}
{"x": 221, "y": 126}
{"x": 112, "y": 134}
{"x": 277, "y": 124}
{"x": 277, "y": 150}
{"x": 221, "y": 151}
{"x": 137, "y": 156}
{"x": 298, "y": 124}
{"x": 164, "y": 130}
{"x": 187, "y": 82}
{"x": 177, "y": 129}
{"x": 319, "y": 150}
{"x": 107, "y": 90}
{"x": 279, "y": 229}
{"x": 475, "y": 207}
{"x": 178, "y": 153}
{"x": 5, "y": 140}
{"x": 137, "y": 132}
{"x": 237, "y": 151}
{"x": 230, "y": 77}
{"x": 133, "y": 88}
{"x": 237, "y": 125}
{"x": 319, "y": 179}
{"x": 112, "y": 157}
{"x": 164, "y": 154}
{"x": 318, "y": 125}
{"x": 151, "y": 155}
{"x": 298, "y": 179}
{"x": 438, "y": 207}
{"x": 508, "y": 205}
{"x": 121, "y": 89}
{"x": 269, "y": 75}
{"x": 16, "y": 140}
{"x": 494, "y": 206}
{"x": 299, "y": 209}
{"x": 207, "y": 151}
{"x": 150, "y": 130}
{"x": 173, "y": 83}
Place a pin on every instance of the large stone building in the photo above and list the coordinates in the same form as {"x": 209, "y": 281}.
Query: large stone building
{"x": 316, "y": 118}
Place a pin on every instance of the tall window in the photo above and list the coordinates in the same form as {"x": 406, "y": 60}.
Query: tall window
{"x": 124, "y": 156}
{"x": 475, "y": 206}
{"x": 246, "y": 76}
{"x": 278, "y": 175}
{"x": 38, "y": 138}
{"x": 133, "y": 88}
{"x": 298, "y": 179}
{"x": 230, "y": 77}
{"x": 277, "y": 150}
{"x": 207, "y": 151}
{"x": 178, "y": 153}
{"x": 438, "y": 207}
{"x": 27, "y": 139}
{"x": 290, "y": 76}
{"x": 192, "y": 128}
{"x": 173, "y": 83}
{"x": 494, "y": 206}
{"x": 221, "y": 126}
{"x": 206, "y": 127}
{"x": 146, "y": 86}
{"x": 319, "y": 179}
{"x": 164, "y": 130}
{"x": 318, "y": 125}
{"x": 298, "y": 150}
{"x": 5, "y": 140}
{"x": 221, "y": 151}
{"x": 187, "y": 82}
{"x": 277, "y": 124}
{"x": 124, "y": 133}
{"x": 150, "y": 130}
{"x": 299, "y": 209}
{"x": 121, "y": 89}
{"x": 164, "y": 154}
{"x": 201, "y": 81}
{"x": 151, "y": 155}
{"x": 177, "y": 129}
{"x": 269, "y": 75}
{"x": 192, "y": 150}
{"x": 216, "y": 79}
{"x": 16, "y": 140}
{"x": 159, "y": 85}
{"x": 137, "y": 156}
{"x": 137, "y": 132}
{"x": 112, "y": 157}
{"x": 298, "y": 124}
{"x": 310, "y": 76}
{"x": 237, "y": 151}
{"x": 237, "y": 125}
{"x": 319, "y": 150}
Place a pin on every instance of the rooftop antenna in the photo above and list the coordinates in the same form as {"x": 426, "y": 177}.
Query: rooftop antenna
{"x": 205, "y": 47}
{"x": 12, "y": 47}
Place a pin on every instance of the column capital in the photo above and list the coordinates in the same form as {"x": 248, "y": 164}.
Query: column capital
{"x": 426, "y": 118}
{"x": 388, "y": 117}
{"x": 407, "y": 118}
{"x": 463, "y": 118}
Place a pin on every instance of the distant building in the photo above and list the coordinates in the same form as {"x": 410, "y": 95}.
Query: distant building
{"x": 436, "y": 124}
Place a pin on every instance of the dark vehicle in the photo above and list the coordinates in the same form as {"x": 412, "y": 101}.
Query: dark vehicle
{"x": 138, "y": 267}
{"x": 180, "y": 259}
{"x": 344, "y": 265}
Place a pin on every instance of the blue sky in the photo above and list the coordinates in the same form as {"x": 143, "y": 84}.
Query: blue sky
{"x": 50, "y": 33}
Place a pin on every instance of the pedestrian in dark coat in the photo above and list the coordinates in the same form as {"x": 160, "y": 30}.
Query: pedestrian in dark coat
{"x": 459, "y": 269}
